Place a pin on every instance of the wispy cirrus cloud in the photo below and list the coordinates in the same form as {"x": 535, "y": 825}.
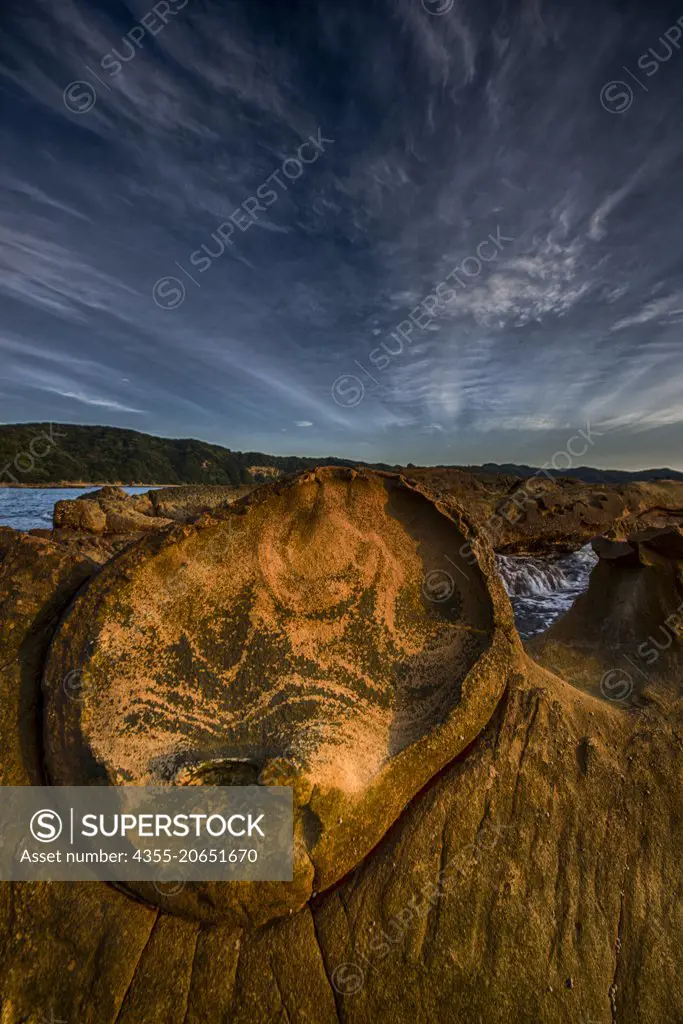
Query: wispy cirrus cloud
{"x": 99, "y": 403}
{"x": 444, "y": 128}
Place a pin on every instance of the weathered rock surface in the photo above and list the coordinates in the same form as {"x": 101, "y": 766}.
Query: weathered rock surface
{"x": 516, "y": 516}
{"x": 300, "y": 628}
{"x": 185, "y": 504}
{"x": 543, "y": 515}
{"x": 535, "y": 878}
{"x": 111, "y": 510}
{"x": 624, "y": 636}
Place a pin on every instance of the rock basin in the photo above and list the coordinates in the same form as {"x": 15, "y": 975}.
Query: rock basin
{"x": 323, "y": 633}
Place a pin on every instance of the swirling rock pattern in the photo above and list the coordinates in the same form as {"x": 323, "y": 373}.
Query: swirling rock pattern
{"x": 537, "y": 877}
{"x": 326, "y": 634}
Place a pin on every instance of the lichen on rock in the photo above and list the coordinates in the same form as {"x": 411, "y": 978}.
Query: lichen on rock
{"x": 482, "y": 832}
{"x": 298, "y": 625}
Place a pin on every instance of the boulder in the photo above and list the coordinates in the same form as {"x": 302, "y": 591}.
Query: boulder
{"x": 38, "y": 579}
{"x": 186, "y": 503}
{"x": 85, "y": 516}
{"x": 110, "y": 510}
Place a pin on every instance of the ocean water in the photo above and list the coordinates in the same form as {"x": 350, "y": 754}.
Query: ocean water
{"x": 30, "y": 508}
{"x": 542, "y": 589}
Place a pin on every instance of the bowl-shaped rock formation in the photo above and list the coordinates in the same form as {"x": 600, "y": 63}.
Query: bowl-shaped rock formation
{"x": 324, "y": 633}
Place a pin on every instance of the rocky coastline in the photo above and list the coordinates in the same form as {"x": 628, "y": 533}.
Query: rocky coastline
{"x": 497, "y": 825}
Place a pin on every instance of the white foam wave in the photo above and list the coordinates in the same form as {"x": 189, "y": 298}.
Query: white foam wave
{"x": 542, "y": 589}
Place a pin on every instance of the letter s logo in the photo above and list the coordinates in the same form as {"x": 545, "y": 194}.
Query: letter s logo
{"x": 348, "y": 390}
{"x": 168, "y": 292}
{"x": 46, "y": 826}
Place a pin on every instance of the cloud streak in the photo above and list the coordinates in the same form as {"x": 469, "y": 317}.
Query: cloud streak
{"x": 444, "y": 128}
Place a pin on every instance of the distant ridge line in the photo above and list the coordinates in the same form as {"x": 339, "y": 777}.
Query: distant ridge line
{"x": 117, "y": 454}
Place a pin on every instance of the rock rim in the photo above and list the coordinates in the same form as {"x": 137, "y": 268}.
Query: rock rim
{"x": 336, "y": 610}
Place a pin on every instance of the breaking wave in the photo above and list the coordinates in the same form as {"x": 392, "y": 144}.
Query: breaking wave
{"x": 542, "y": 589}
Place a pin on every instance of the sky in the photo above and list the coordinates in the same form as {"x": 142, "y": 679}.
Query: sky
{"x": 428, "y": 231}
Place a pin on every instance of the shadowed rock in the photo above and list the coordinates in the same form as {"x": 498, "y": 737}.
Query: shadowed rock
{"x": 326, "y": 633}
{"x": 622, "y": 639}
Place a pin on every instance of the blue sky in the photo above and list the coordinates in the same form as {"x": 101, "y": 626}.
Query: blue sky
{"x": 145, "y": 144}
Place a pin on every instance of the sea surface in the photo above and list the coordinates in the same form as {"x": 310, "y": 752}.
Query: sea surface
{"x": 30, "y": 508}
{"x": 540, "y": 589}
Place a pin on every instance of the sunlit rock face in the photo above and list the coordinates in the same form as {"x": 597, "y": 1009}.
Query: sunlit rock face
{"x": 325, "y": 634}
{"x": 548, "y": 849}
{"x": 112, "y": 511}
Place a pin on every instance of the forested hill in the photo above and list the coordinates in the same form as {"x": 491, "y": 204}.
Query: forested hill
{"x": 44, "y": 453}
{"x": 50, "y": 453}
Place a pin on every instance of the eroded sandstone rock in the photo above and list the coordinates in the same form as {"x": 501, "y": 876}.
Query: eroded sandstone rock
{"x": 108, "y": 510}
{"x": 623, "y": 638}
{"x": 186, "y": 503}
{"x": 540, "y": 515}
{"x": 536, "y": 877}
{"x": 325, "y": 632}
{"x": 38, "y": 578}
{"x": 111, "y": 510}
